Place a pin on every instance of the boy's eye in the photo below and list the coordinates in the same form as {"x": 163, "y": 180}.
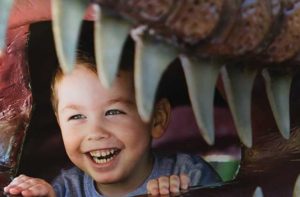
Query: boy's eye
{"x": 113, "y": 112}
{"x": 76, "y": 117}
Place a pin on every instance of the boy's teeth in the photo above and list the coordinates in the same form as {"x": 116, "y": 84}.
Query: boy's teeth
{"x": 103, "y": 156}
{"x": 103, "y": 153}
{"x": 102, "y": 160}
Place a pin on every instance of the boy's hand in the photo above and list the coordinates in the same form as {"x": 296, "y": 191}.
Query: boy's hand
{"x": 165, "y": 185}
{"x": 28, "y": 186}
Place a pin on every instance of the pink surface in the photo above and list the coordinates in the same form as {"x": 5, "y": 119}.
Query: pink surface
{"x": 183, "y": 133}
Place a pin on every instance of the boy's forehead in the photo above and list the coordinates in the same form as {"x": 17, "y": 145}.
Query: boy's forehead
{"x": 122, "y": 73}
{"x": 83, "y": 79}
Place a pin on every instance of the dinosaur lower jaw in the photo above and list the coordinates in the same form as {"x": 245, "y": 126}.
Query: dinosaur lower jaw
{"x": 15, "y": 93}
{"x": 16, "y": 98}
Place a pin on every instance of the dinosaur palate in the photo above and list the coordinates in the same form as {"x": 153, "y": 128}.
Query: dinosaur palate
{"x": 153, "y": 10}
{"x": 195, "y": 20}
{"x": 110, "y": 35}
{"x": 252, "y": 25}
{"x": 201, "y": 76}
{"x": 286, "y": 43}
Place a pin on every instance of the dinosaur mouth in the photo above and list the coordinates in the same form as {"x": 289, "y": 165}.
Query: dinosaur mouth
{"x": 152, "y": 56}
{"x": 202, "y": 46}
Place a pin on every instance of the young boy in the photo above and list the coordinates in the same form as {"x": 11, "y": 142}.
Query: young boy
{"x": 109, "y": 144}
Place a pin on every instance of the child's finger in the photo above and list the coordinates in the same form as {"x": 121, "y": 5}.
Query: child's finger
{"x": 174, "y": 184}
{"x": 164, "y": 185}
{"x": 26, "y": 186}
{"x": 36, "y": 190}
{"x": 184, "y": 181}
{"x": 152, "y": 187}
{"x": 14, "y": 190}
{"x": 19, "y": 179}
{"x": 25, "y": 183}
{"x": 13, "y": 187}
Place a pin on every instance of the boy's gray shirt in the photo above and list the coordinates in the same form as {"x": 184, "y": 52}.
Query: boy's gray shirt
{"x": 74, "y": 182}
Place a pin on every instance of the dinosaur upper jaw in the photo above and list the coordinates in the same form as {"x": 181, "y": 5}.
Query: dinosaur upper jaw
{"x": 152, "y": 59}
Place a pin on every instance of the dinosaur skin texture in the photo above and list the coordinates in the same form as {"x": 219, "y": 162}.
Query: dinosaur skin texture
{"x": 248, "y": 34}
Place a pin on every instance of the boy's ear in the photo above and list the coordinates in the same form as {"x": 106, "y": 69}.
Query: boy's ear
{"x": 160, "y": 118}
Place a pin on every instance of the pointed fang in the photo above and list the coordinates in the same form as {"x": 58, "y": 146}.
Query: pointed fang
{"x": 238, "y": 83}
{"x": 258, "y": 192}
{"x": 110, "y": 35}
{"x": 296, "y": 192}
{"x": 201, "y": 77}
{"x": 151, "y": 60}
{"x": 278, "y": 87}
{"x": 67, "y": 19}
{"x": 5, "y": 7}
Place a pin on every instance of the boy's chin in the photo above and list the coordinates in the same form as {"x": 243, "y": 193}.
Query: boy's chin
{"x": 107, "y": 179}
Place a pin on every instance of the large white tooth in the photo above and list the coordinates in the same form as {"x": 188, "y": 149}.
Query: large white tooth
{"x": 258, "y": 192}
{"x": 103, "y": 153}
{"x": 238, "y": 82}
{"x": 110, "y": 35}
{"x": 67, "y": 19}
{"x": 151, "y": 60}
{"x": 296, "y": 192}
{"x": 5, "y": 7}
{"x": 201, "y": 76}
{"x": 278, "y": 85}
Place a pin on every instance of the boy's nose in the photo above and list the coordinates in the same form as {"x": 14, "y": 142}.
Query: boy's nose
{"x": 98, "y": 133}
{"x": 97, "y": 137}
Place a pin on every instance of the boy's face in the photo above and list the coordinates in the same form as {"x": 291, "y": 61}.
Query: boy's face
{"x": 102, "y": 131}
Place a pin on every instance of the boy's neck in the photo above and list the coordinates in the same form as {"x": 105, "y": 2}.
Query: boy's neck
{"x": 129, "y": 185}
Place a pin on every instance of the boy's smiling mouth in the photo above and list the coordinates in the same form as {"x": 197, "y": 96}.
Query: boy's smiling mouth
{"x": 104, "y": 156}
